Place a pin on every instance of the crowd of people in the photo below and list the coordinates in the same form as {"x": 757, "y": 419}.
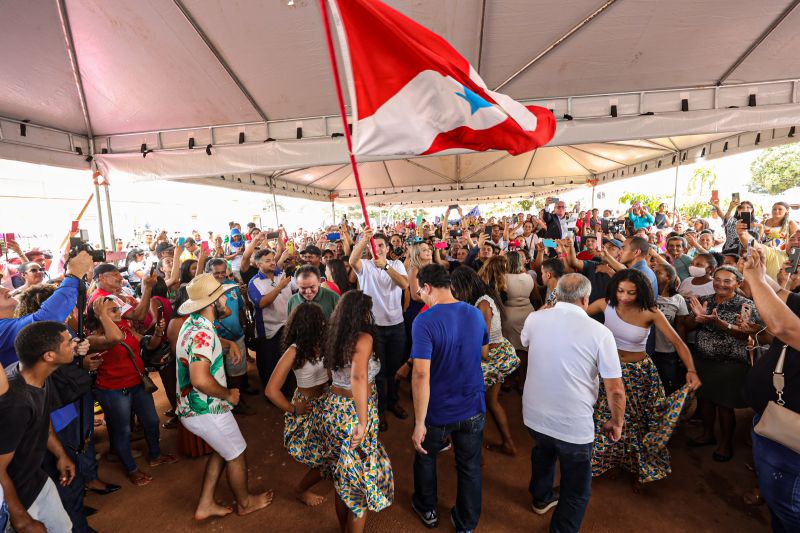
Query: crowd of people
{"x": 664, "y": 312}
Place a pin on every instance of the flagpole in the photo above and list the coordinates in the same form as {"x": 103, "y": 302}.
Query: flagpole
{"x": 340, "y": 97}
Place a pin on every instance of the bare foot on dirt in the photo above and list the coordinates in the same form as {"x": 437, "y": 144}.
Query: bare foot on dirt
{"x": 203, "y": 512}
{"x": 139, "y": 478}
{"x": 257, "y": 502}
{"x": 309, "y": 498}
{"x": 507, "y": 449}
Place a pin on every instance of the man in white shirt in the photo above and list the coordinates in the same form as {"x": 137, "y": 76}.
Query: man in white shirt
{"x": 384, "y": 280}
{"x": 558, "y": 401}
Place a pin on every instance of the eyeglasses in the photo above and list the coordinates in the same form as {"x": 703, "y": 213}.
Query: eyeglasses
{"x": 34, "y": 270}
{"x": 115, "y": 309}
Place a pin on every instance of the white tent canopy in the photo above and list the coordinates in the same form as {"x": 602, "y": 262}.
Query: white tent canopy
{"x": 637, "y": 85}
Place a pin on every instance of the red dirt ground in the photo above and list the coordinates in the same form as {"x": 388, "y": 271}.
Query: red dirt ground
{"x": 700, "y": 495}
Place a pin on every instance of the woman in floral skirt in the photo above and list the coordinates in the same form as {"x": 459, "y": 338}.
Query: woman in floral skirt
{"x": 352, "y": 455}
{"x": 501, "y": 358}
{"x": 302, "y": 342}
{"x": 650, "y": 416}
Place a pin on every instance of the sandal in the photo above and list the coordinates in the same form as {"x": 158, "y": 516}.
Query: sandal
{"x": 163, "y": 459}
{"x": 139, "y": 478}
{"x": 172, "y": 423}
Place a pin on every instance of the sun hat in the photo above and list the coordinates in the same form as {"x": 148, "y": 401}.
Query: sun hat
{"x": 203, "y": 291}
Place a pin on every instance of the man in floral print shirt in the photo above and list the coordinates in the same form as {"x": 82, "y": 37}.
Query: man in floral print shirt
{"x": 204, "y": 402}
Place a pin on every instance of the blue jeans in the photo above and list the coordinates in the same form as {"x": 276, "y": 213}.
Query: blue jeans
{"x": 467, "y": 437}
{"x": 390, "y": 347}
{"x": 575, "y": 462}
{"x": 778, "y": 470}
{"x": 85, "y": 464}
{"x": 667, "y": 366}
{"x": 117, "y": 406}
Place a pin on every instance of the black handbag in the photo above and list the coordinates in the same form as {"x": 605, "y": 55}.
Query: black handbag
{"x": 157, "y": 358}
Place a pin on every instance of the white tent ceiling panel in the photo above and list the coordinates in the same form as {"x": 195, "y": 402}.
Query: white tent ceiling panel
{"x": 503, "y": 168}
{"x": 777, "y": 55}
{"x": 152, "y": 55}
{"x": 552, "y": 162}
{"x": 623, "y": 48}
{"x": 591, "y": 162}
{"x": 36, "y": 81}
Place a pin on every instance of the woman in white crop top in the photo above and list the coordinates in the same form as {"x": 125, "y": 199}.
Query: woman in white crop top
{"x": 303, "y": 336}
{"x": 500, "y": 359}
{"x": 630, "y": 311}
{"x": 353, "y": 457}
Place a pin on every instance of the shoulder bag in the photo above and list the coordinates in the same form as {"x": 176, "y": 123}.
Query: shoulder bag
{"x": 778, "y": 423}
{"x": 149, "y": 385}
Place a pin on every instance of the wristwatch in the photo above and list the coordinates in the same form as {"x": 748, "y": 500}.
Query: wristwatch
{"x": 386, "y": 267}
{"x": 730, "y": 326}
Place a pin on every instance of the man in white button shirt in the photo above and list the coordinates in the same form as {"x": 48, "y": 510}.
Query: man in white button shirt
{"x": 567, "y": 351}
{"x": 384, "y": 280}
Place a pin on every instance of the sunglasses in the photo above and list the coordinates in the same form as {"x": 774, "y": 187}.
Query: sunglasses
{"x": 34, "y": 270}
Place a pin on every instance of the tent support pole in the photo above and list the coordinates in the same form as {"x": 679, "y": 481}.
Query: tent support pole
{"x": 110, "y": 216}
{"x": 557, "y": 42}
{"x": 99, "y": 213}
{"x": 333, "y": 210}
{"x": 675, "y": 194}
{"x": 73, "y": 61}
{"x": 274, "y": 203}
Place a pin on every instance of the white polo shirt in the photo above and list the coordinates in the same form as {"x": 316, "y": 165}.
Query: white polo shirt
{"x": 567, "y": 353}
{"x": 387, "y": 297}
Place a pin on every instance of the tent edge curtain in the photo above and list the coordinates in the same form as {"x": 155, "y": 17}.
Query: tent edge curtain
{"x": 280, "y": 155}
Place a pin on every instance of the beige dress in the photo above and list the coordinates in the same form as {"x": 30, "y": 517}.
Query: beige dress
{"x": 517, "y": 307}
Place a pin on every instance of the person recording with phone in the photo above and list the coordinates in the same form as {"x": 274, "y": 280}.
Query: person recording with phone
{"x": 777, "y": 464}
{"x": 737, "y": 212}
{"x": 774, "y": 257}
{"x": 57, "y": 308}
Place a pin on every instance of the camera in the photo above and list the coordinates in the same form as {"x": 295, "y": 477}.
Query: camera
{"x": 78, "y": 245}
{"x": 398, "y": 252}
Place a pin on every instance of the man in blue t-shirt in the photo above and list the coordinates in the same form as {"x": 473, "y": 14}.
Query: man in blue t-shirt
{"x": 449, "y": 397}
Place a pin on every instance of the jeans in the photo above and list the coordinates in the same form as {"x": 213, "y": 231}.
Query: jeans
{"x": 390, "y": 347}
{"x": 85, "y": 464}
{"x": 576, "y": 479}
{"x": 778, "y": 470}
{"x": 117, "y": 406}
{"x": 268, "y": 352}
{"x": 467, "y": 437}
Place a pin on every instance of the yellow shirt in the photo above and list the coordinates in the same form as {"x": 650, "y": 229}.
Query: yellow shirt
{"x": 186, "y": 255}
{"x": 775, "y": 260}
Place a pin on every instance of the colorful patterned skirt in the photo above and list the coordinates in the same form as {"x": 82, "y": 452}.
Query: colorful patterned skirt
{"x": 650, "y": 419}
{"x": 362, "y": 477}
{"x": 300, "y": 431}
{"x": 502, "y": 362}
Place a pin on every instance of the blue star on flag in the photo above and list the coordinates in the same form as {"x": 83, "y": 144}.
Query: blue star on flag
{"x": 475, "y": 101}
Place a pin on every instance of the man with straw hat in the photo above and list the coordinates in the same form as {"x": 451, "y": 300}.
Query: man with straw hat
{"x": 204, "y": 403}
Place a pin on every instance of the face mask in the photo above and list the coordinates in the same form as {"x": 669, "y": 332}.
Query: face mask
{"x": 697, "y": 272}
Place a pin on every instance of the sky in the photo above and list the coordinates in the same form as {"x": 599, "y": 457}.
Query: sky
{"x": 40, "y": 202}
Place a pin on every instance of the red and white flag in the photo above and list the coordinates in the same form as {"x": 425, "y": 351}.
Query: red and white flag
{"x": 411, "y": 92}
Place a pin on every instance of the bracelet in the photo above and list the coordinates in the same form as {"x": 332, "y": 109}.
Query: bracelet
{"x": 691, "y": 372}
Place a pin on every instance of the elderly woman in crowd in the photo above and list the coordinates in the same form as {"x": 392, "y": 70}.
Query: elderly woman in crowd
{"x": 723, "y": 322}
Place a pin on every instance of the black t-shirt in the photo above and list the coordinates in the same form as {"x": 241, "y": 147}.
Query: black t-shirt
{"x": 759, "y": 390}
{"x": 599, "y": 280}
{"x": 249, "y": 274}
{"x": 25, "y": 422}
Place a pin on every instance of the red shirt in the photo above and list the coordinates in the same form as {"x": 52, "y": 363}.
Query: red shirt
{"x": 334, "y": 287}
{"x": 116, "y": 371}
{"x": 129, "y": 300}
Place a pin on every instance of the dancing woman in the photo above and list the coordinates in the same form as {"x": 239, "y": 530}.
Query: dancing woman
{"x": 651, "y": 416}
{"x": 353, "y": 457}
{"x": 501, "y": 359}
{"x": 302, "y": 343}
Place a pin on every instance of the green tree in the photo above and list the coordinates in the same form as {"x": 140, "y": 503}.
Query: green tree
{"x": 776, "y": 170}
{"x": 652, "y": 202}
{"x": 695, "y": 209}
{"x": 525, "y": 204}
{"x": 702, "y": 182}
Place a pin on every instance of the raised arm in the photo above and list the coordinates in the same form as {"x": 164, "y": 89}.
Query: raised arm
{"x": 358, "y": 250}
{"x": 249, "y": 250}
